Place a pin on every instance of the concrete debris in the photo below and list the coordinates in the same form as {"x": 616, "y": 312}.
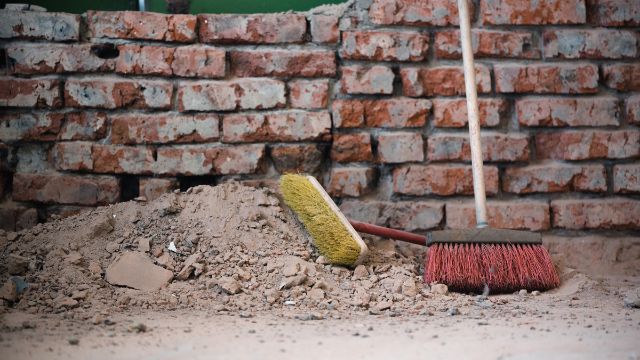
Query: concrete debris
{"x": 440, "y": 289}
{"x": 136, "y": 270}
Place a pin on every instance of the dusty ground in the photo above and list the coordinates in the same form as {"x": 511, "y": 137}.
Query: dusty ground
{"x": 243, "y": 281}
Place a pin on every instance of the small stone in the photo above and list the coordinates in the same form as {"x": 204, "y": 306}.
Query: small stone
{"x": 17, "y": 265}
{"x": 73, "y": 258}
{"x": 94, "y": 268}
{"x": 138, "y": 328}
{"x": 97, "y": 319}
{"x": 535, "y": 293}
{"x": 453, "y": 311}
{"x": 316, "y": 294}
{"x": 144, "y": 245}
{"x": 310, "y": 316}
{"x": 73, "y": 341}
{"x": 440, "y": 289}
{"x": 290, "y": 268}
{"x": 292, "y": 281}
{"x": 188, "y": 266}
{"x": 79, "y": 295}
{"x": 11, "y": 236}
{"x": 383, "y": 305}
{"x": 9, "y": 291}
{"x": 409, "y": 288}
{"x": 322, "y": 260}
{"x": 66, "y": 302}
{"x": 230, "y": 286}
{"x": 360, "y": 272}
{"x": 522, "y": 292}
{"x": 632, "y": 298}
{"x": 272, "y": 295}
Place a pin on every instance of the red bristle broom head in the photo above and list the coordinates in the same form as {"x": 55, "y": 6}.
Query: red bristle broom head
{"x": 470, "y": 262}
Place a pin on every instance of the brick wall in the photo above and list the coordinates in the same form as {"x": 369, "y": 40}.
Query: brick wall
{"x": 109, "y": 106}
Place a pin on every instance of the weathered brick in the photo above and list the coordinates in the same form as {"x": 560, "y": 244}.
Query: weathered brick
{"x": 396, "y": 112}
{"x": 324, "y": 28}
{"x": 210, "y": 159}
{"x": 488, "y": 43}
{"x": 252, "y": 29}
{"x": 622, "y": 77}
{"x": 39, "y": 25}
{"x": 152, "y": 188}
{"x": 113, "y": 93}
{"x": 187, "y": 61}
{"x": 199, "y": 61}
{"x": 626, "y": 178}
{"x": 166, "y": 128}
{"x": 520, "y": 215}
{"x": 55, "y": 58}
{"x": 633, "y": 109}
{"x": 66, "y": 189}
{"x": 590, "y": 44}
{"x": 73, "y": 156}
{"x": 351, "y": 147}
{"x": 495, "y": 147}
{"x": 248, "y": 93}
{"x": 283, "y": 63}
{"x": 384, "y": 45}
{"x": 441, "y": 80}
{"x": 351, "y": 181}
{"x": 443, "y": 180}
{"x": 453, "y": 112}
{"x": 141, "y": 25}
{"x": 398, "y": 147}
{"x": 611, "y": 213}
{"x": 526, "y": 12}
{"x": 84, "y": 126}
{"x": 405, "y": 215}
{"x": 359, "y": 79}
{"x": 117, "y": 159}
{"x": 590, "y": 144}
{"x": 614, "y": 12}
{"x": 33, "y": 158}
{"x": 347, "y": 113}
{"x": 139, "y": 59}
{"x": 415, "y": 12}
{"x": 30, "y": 126}
{"x": 290, "y": 125}
{"x": 309, "y": 94}
{"x": 558, "y": 112}
{"x": 555, "y": 177}
{"x": 561, "y": 78}
{"x": 37, "y": 93}
{"x": 297, "y": 158}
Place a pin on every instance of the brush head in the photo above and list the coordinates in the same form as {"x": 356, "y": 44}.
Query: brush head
{"x": 331, "y": 232}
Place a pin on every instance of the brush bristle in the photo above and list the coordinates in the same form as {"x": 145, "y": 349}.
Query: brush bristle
{"x": 499, "y": 267}
{"x": 333, "y": 240}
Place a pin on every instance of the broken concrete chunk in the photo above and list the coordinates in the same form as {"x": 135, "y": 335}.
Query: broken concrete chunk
{"x": 360, "y": 272}
{"x": 17, "y": 265}
{"x": 441, "y": 289}
{"x": 292, "y": 281}
{"x": 136, "y": 270}
{"x": 188, "y": 267}
{"x": 229, "y": 285}
{"x": 9, "y": 291}
{"x": 409, "y": 288}
{"x": 144, "y": 245}
{"x": 632, "y": 298}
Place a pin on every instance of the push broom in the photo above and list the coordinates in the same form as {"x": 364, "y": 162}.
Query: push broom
{"x": 466, "y": 260}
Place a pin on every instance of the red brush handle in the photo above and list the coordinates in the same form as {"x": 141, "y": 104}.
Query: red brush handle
{"x": 388, "y": 233}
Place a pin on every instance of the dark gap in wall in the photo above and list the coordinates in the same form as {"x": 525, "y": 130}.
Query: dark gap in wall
{"x": 187, "y": 182}
{"x": 129, "y": 187}
{"x": 105, "y": 51}
{"x": 3, "y": 59}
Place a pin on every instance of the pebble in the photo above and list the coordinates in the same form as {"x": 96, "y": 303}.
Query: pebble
{"x": 229, "y": 285}
{"x": 632, "y": 298}
{"x": 74, "y": 341}
{"x": 522, "y": 292}
{"x": 360, "y": 272}
{"x": 535, "y": 293}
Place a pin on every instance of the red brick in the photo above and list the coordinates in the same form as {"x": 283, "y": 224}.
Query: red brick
{"x": 141, "y": 25}
{"x": 309, "y": 94}
{"x": 559, "y": 112}
{"x": 187, "y": 61}
{"x": 37, "y": 93}
{"x": 398, "y": 147}
{"x": 199, "y": 61}
{"x": 283, "y": 63}
{"x": 520, "y": 215}
{"x": 442, "y": 180}
{"x": 351, "y": 147}
{"x": 84, "y": 126}
{"x": 324, "y": 28}
{"x": 153, "y": 129}
{"x": 32, "y": 158}
{"x": 210, "y": 160}
{"x": 614, "y": 12}
{"x": 55, "y": 58}
{"x": 113, "y": 93}
{"x": 404, "y": 215}
{"x": 122, "y": 159}
{"x": 73, "y": 156}
{"x": 626, "y": 178}
{"x": 633, "y": 109}
{"x": 384, "y": 45}
{"x": 561, "y": 78}
{"x": 610, "y": 213}
{"x": 351, "y": 181}
{"x": 495, "y": 147}
{"x": 252, "y": 29}
{"x": 347, "y": 113}
{"x": 453, "y": 112}
{"x": 589, "y": 144}
{"x": 297, "y": 158}
{"x": 150, "y": 60}
{"x": 622, "y": 77}
{"x": 488, "y": 43}
{"x": 358, "y": 79}
{"x": 590, "y": 44}
{"x": 48, "y": 26}
{"x": 30, "y": 126}
{"x": 415, "y": 12}
{"x": 526, "y": 12}
{"x": 152, "y": 188}
{"x": 396, "y": 112}
{"x": 249, "y": 93}
{"x": 291, "y": 125}
{"x": 441, "y": 80}
{"x": 66, "y": 189}
{"x": 555, "y": 177}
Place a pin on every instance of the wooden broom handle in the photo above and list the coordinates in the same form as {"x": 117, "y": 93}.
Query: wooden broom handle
{"x": 472, "y": 111}
{"x": 388, "y": 233}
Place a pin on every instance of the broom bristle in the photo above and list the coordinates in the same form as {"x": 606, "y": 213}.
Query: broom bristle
{"x": 469, "y": 267}
{"x": 334, "y": 237}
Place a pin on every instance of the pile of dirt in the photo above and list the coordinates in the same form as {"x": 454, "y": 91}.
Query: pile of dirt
{"x": 228, "y": 248}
